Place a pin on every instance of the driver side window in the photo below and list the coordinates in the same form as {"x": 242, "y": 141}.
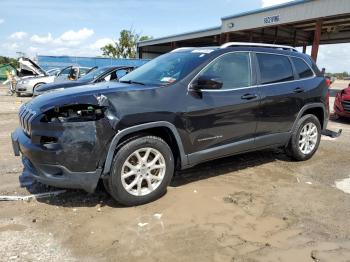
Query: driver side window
{"x": 232, "y": 69}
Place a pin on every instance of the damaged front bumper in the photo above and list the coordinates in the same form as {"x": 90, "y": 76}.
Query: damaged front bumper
{"x": 64, "y": 138}
{"x": 65, "y": 164}
{"x": 61, "y": 177}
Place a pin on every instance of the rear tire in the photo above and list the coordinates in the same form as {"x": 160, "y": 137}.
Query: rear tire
{"x": 305, "y": 139}
{"x": 141, "y": 171}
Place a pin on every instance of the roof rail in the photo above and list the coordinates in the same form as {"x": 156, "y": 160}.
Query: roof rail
{"x": 180, "y": 49}
{"x": 283, "y": 47}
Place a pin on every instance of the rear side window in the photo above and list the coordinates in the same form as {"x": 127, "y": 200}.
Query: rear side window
{"x": 303, "y": 70}
{"x": 274, "y": 68}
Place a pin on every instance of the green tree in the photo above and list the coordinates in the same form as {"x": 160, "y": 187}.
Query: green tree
{"x": 109, "y": 50}
{"x": 340, "y": 75}
{"x": 9, "y": 60}
{"x": 125, "y": 47}
{"x": 145, "y": 38}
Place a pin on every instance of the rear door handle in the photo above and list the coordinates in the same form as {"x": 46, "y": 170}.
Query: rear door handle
{"x": 298, "y": 90}
{"x": 249, "y": 96}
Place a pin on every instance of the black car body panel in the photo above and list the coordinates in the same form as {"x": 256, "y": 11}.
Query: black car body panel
{"x": 204, "y": 124}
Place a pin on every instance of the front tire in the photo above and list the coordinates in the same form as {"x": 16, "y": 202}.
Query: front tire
{"x": 305, "y": 138}
{"x": 141, "y": 171}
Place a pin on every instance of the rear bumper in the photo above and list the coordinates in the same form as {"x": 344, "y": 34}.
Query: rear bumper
{"x": 342, "y": 113}
{"x": 51, "y": 174}
{"x": 339, "y": 109}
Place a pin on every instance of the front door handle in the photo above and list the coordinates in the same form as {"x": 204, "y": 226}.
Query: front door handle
{"x": 249, "y": 96}
{"x": 298, "y": 90}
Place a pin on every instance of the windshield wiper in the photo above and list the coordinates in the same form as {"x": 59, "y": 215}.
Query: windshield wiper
{"x": 132, "y": 82}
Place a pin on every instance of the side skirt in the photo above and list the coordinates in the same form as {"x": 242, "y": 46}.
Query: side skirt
{"x": 249, "y": 145}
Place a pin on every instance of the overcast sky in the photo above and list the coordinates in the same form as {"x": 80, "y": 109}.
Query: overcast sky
{"x": 82, "y": 27}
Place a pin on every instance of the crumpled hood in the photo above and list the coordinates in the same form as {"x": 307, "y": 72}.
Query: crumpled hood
{"x": 87, "y": 94}
{"x": 29, "y": 65}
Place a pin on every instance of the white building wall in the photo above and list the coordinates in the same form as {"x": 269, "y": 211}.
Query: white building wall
{"x": 300, "y": 12}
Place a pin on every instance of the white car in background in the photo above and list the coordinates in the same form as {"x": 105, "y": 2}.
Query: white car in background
{"x": 34, "y": 76}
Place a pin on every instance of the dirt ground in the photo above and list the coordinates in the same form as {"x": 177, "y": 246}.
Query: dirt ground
{"x": 253, "y": 207}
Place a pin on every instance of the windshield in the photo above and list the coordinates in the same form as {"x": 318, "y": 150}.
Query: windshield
{"x": 94, "y": 74}
{"x": 166, "y": 69}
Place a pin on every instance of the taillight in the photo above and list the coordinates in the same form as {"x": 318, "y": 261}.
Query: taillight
{"x": 329, "y": 82}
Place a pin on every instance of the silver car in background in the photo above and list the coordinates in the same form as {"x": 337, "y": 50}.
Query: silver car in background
{"x": 34, "y": 76}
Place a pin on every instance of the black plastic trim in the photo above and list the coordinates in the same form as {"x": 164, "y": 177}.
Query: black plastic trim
{"x": 313, "y": 105}
{"x": 129, "y": 130}
{"x": 239, "y": 147}
{"x": 61, "y": 177}
{"x": 220, "y": 151}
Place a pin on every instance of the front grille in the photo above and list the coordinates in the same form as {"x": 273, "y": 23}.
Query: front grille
{"x": 346, "y": 106}
{"x": 26, "y": 115}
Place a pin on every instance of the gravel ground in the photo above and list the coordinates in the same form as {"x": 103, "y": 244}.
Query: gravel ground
{"x": 254, "y": 207}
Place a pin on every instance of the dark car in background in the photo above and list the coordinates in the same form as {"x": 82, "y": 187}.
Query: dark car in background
{"x": 183, "y": 108}
{"x": 103, "y": 74}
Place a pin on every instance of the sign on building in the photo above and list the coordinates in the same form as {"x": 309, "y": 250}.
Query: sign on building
{"x": 272, "y": 19}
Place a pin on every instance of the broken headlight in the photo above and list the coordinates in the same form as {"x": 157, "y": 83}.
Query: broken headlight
{"x": 73, "y": 113}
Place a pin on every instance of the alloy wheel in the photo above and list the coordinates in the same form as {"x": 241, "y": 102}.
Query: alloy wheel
{"x": 308, "y": 138}
{"x": 143, "y": 171}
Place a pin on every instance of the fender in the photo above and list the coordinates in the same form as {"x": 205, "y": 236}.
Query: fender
{"x": 313, "y": 105}
{"x": 129, "y": 130}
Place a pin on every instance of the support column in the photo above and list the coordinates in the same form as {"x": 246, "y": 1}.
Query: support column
{"x": 227, "y": 37}
{"x": 139, "y": 52}
{"x": 262, "y": 35}
{"x": 295, "y": 38}
{"x": 304, "y": 48}
{"x": 251, "y": 36}
{"x": 317, "y": 38}
{"x": 276, "y": 35}
{"x": 173, "y": 45}
{"x": 224, "y": 38}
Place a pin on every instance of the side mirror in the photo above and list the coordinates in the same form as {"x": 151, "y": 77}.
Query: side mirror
{"x": 207, "y": 82}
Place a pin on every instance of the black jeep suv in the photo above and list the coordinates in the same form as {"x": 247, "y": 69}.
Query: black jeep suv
{"x": 183, "y": 108}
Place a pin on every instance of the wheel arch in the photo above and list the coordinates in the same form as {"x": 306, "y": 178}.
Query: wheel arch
{"x": 39, "y": 84}
{"x": 151, "y": 128}
{"x": 36, "y": 85}
{"x": 317, "y": 109}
